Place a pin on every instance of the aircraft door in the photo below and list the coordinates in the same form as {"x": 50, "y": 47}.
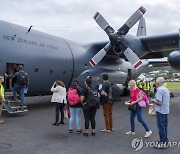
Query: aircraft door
{"x": 11, "y": 68}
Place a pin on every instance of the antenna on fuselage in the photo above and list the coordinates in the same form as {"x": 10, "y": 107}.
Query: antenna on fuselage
{"x": 29, "y": 29}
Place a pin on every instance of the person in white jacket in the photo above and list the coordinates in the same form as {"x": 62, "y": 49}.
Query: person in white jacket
{"x": 59, "y": 97}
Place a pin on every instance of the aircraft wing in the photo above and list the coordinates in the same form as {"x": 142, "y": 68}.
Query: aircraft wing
{"x": 160, "y": 45}
{"x": 163, "y": 46}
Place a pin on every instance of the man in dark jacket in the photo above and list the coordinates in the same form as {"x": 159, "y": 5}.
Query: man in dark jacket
{"x": 107, "y": 106}
{"x": 22, "y": 81}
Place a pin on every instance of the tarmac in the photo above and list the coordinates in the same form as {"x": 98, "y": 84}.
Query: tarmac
{"x": 33, "y": 133}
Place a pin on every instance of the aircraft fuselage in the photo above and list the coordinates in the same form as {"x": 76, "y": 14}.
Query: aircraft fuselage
{"x": 47, "y": 58}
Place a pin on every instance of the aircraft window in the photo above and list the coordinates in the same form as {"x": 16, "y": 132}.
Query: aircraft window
{"x": 36, "y": 70}
{"x": 51, "y": 71}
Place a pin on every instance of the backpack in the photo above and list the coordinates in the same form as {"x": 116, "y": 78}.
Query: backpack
{"x": 114, "y": 93}
{"x": 22, "y": 78}
{"x": 92, "y": 98}
{"x": 145, "y": 97}
{"x": 73, "y": 97}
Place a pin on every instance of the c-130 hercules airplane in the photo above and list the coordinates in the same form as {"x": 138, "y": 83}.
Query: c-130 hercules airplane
{"x": 47, "y": 58}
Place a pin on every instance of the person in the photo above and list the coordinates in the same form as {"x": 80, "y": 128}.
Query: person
{"x": 10, "y": 71}
{"x": 135, "y": 97}
{"x": 139, "y": 84}
{"x": 150, "y": 94}
{"x": 22, "y": 81}
{"x": 1, "y": 97}
{"x": 107, "y": 106}
{"x": 155, "y": 88}
{"x": 147, "y": 88}
{"x": 88, "y": 111}
{"x": 59, "y": 97}
{"x": 76, "y": 109}
{"x": 161, "y": 101}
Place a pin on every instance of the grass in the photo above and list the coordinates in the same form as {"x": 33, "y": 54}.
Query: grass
{"x": 172, "y": 85}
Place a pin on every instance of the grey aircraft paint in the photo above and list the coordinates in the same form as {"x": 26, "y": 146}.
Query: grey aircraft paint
{"x": 47, "y": 58}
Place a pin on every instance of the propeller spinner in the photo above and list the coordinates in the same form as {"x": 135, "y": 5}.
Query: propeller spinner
{"x": 116, "y": 38}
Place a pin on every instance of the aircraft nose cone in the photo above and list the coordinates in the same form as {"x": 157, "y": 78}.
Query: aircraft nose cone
{"x": 174, "y": 59}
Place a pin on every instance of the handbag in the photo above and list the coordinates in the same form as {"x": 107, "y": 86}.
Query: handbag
{"x": 142, "y": 103}
{"x": 132, "y": 108}
{"x": 151, "y": 110}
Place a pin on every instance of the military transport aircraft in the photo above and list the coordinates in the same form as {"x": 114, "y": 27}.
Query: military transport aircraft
{"x": 47, "y": 58}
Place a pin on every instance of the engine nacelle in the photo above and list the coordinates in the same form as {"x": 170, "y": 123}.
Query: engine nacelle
{"x": 121, "y": 87}
{"x": 174, "y": 59}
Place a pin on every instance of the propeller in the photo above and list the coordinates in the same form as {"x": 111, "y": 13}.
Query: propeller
{"x": 116, "y": 38}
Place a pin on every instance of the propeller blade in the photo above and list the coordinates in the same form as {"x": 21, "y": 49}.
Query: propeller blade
{"x": 132, "y": 58}
{"x": 103, "y": 23}
{"x": 132, "y": 21}
{"x": 130, "y": 55}
{"x": 99, "y": 56}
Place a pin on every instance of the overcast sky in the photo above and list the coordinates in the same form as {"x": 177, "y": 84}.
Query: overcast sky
{"x": 73, "y": 19}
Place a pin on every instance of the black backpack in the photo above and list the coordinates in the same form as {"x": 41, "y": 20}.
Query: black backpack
{"x": 92, "y": 98}
{"x": 114, "y": 93}
{"x": 22, "y": 78}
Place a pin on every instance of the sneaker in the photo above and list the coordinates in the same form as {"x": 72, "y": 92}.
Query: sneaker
{"x": 55, "y": 124}
{"x": 70, "y": 131}
{"x": 85, "y": 134}
{"x": 112, "y": 129}
{"x": 106, "y": 130}
{"x": 130, "y": 133}
{"x": 148, "y": 134}
{"x": 161, "y": 145}
{"x": 62, "y": 122}
{"x": 79, "y": 131}
{"x": 93, "y": 133}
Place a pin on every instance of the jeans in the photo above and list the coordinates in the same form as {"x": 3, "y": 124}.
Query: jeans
{"x": 75, "y": 114}
{"x": 139, "y": 117}
{"x": 60, "y": 107}
{"x": 162, "y": 123}
{"x": 107, "y": 110}
{"x": 19, "y": 88}
{"x": 89, "y": 115}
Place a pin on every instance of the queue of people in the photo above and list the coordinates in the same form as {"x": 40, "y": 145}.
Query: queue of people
{"x": 82, "y": 103}
{"x": 88, "y": 99}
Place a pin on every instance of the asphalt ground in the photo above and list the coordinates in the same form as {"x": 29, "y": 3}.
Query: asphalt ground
{"x": 33, "y": 133}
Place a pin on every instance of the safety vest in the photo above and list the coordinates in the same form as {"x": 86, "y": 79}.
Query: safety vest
{"x": 146, "y": 86}
{"x": 165, "y": 84}
{"x": 139, "y": 84}
{"x": 2, "y": 90}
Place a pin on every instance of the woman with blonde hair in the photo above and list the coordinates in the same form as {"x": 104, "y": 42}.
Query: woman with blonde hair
{"x": 135, "y": 97}
{"x": 59, "y": 97}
